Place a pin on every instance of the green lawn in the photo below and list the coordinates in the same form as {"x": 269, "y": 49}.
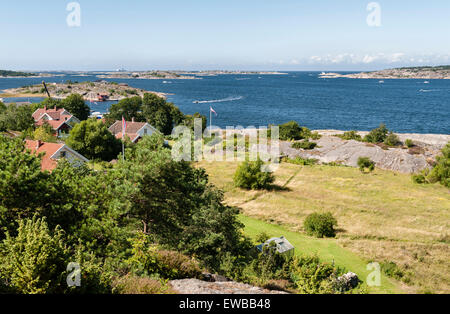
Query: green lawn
{"x": 326, "y": 249}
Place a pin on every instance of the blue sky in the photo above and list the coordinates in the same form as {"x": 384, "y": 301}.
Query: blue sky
{"x": 218, "y": 34}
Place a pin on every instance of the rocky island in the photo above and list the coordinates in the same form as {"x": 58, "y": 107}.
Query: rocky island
{"x": 147, "y": 75}
{"x": 91, "y": 91}
{"x": 426, "y": 72}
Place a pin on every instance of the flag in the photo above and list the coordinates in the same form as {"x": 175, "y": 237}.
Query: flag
{"x": 124, "y": 126}
{"x": 212, "y": 110}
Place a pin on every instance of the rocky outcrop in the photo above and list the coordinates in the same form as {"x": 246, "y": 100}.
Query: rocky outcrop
{"x": 195, "y": 286}
{"x": 334, "y": 149}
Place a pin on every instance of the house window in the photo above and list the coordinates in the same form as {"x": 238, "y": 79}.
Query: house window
{"x": 145, "y": 131}
{"x": 63, "y": 154}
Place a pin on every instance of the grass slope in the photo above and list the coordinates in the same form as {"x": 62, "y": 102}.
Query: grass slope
{"x": 327, "y": 250}
{"x": 382, "y": 216}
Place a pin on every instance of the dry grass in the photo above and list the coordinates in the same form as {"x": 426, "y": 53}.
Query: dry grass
{"x": 383, "y": 216}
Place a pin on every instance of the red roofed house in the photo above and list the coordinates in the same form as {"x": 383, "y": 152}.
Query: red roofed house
{"x": 53, "y": 152}
{"x": 135, "y": 130}
{"x": 60, "y": 120}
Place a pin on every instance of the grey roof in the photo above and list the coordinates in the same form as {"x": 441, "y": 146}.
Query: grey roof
{"x": 282, "y": 244}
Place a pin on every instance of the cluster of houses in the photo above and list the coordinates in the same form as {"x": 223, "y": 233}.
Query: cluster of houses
{"x": 61, "y": 122}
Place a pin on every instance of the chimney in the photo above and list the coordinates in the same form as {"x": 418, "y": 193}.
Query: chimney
{"x": 45, "y": 107}
{"x": 38, "y": 144}
{"x": 132, "y": 120}
{"x": 55, "y": 107}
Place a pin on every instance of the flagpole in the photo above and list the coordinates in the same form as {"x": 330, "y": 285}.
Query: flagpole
{"x": 210, "y": 122}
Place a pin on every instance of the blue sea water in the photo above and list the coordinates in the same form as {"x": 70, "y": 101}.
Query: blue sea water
{"x": 406, "y": 106}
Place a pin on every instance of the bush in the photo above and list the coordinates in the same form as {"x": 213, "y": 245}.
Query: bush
{"x": 320, "y": 225}
{"x": 350, "y": 135}
{"x": 377, "y": 135}
{"x": 149, "y": 259}
{"x": 130, "y": 284}
{"x": 304, "y": 145}
{"x": 391, "y": 269}
{"x": 250, "y": 175}
{"x": 409, "y": 143}
{"x": 34, "y": 262}
{"x": 441, "y": 172}
{"x": 301, "y": 161}
{"x": 291, "y": 131}
{"x": 365, "y": 163}
{"x": 392, "y": 140}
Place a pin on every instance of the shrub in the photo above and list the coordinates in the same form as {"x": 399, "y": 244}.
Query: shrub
{"x": 291, "y": 131}
{"x": 34, "y": 262}
{"x": 365, "y": 163}
{"x": 304, "y": 145}
{"x": 250, "y": 175}
{"x": 301, "y": 161}
{"x": 130, "y": 284}
{"x": 262, "y": 237}
{"x": 409, "y": 143}
{"x": 320, "y": 225}
{"x": 441, "y": 172}
{"x": 377, "y": 135}
{"x": 149, "y": 259}
{"x": 392, "y": 140}
{"x": 391, "y": 269}
{"x": 350, "y": 135}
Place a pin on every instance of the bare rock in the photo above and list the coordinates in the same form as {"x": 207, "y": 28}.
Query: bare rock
{"x": 195, "y": 286}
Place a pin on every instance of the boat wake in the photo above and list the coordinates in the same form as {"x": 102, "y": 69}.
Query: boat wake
{"x": 218, "y": 100}
{"x": 428, "y": 90}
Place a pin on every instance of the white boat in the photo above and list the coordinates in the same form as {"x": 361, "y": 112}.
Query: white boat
{"x": 381, "y": 82}
{"x": 426, "y": 82}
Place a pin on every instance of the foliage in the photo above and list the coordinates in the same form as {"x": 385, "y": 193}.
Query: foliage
{"x": 409, "y": 143}
{"x": 34, "y": 262}
{"x": 189, "y": 120}
{"x": 365, "y": 163}
{"x": 44, "y": 133}
{"x": 310, "y": 276}
{"x": 149, "y": 259}
{"x": 291, "y": 131}
{"x": 320, "y": 225}
{"x": 160, "y": 113}
{"x": 304, "y": 145}
{"x": 92, "y": 139}
{"x": 76, "y": 105}
{"x": 16, "y": 118}
{"x": 350, "y": 135}
{"x": 128, "y": 108}
{"x": 22, "y": 184}
{"x": 301, "y": 161}
{"x": 6, "y": 73}
{"x": 392, "y": 270}
{"x": 441, "y": 172}
{"x": 130, "y": 284}
{"x": 377, "y": 135}
{"x": 392, "y": 139}
{"x": 251, "y": 175}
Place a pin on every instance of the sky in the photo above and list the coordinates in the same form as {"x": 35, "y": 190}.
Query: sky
{"x": 285, "y": 35}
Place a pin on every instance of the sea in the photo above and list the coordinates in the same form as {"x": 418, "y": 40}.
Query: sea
{"x": 405, "y": 106}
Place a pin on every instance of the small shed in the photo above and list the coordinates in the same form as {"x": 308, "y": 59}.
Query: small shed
{"x": 281, "y": 244}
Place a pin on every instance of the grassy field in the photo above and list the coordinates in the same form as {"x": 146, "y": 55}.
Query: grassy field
{"x": 326, "y": 249}
{"x": 382, "y": 216}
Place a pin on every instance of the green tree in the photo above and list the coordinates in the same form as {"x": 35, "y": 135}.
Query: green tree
{"x": 320, "y": 225}
{"x": 16, "y": 118}
{"x": 22, "y": 184}
{"x": 44, "y": 133}
{"x": 34, "y": 262}
{"x": 441, "y": 172}
{"x": 128, "y": 108}
{"x": 92, "y": 139}
{"x": 160, "y": 113}
{"x": 76, "y": 105}
{"x": 377, "y": 135}
{"x": 365, "y": 163}
{"x": 251, "y": 175}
